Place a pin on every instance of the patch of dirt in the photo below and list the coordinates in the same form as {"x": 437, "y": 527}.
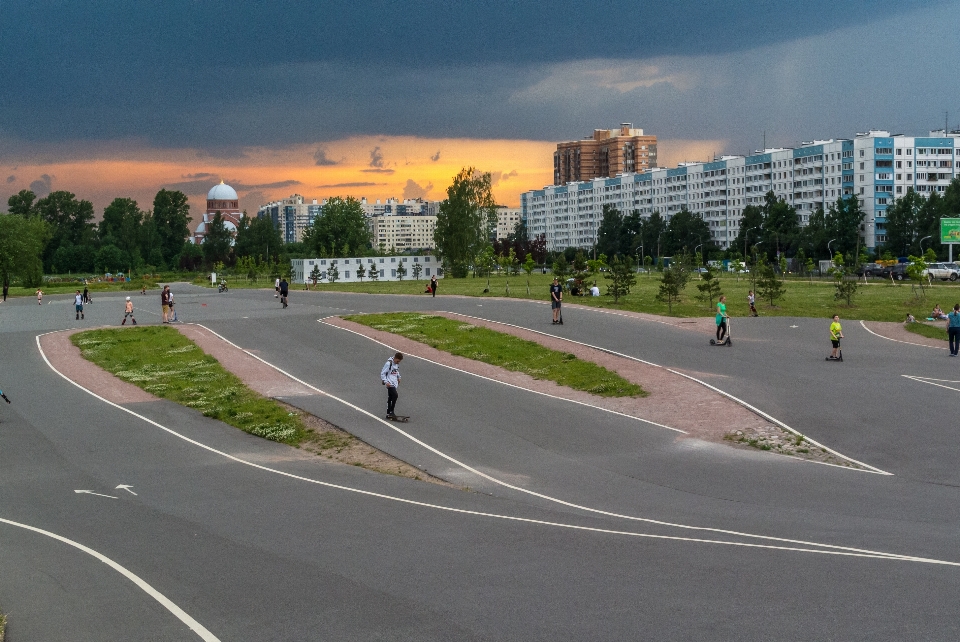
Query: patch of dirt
{"x": 777, "y": 440}
{"x": 895, "y": 330}
{"x": 332, "y": 442}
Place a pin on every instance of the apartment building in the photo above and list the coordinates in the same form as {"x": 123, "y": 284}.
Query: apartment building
{"x": 292, "y": 216}
{"x": 347, "y": 268}
{"x": 608, "y": 152}
{"x": 507, "y": 220}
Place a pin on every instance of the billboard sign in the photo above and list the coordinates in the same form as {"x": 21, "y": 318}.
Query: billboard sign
{"x": 950, "y": 230}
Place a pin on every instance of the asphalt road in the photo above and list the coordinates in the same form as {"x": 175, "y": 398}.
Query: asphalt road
{"x": 573, "y": 523}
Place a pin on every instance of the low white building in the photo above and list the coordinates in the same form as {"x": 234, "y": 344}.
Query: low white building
{"x": 347, "y": 270}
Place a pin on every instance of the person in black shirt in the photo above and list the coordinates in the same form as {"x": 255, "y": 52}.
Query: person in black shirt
{"x": 284, "y": 291}
{"x": 556, "y": 296}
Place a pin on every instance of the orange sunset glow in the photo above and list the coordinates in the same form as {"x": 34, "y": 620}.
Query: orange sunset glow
{"x": 374, "y": 167}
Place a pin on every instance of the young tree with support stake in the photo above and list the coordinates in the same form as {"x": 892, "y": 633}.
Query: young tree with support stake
{"x": 621, "y": 277}
{"x": 769, "y": 286}
{"x": 710, "y": 288}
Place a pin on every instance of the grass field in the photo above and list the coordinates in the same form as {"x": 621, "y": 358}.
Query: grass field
{"x": 877, "y": 301}
{"x": 167, "y": 364}
{"x": 938, "y": 331}
{"x": 503, "y": 350}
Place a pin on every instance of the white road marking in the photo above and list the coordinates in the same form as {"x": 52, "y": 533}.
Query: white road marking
{"x": 832, "y": 549}
{"x": 909, "y": 343}
{"x": 182, "y": 615}
{"x": 931, "y": 382}
{"x": 743, "y": 403}
{"x": 126, "y": 488}
{"x": 90, "y": 492}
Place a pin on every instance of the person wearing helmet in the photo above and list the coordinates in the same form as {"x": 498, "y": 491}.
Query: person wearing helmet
{"x": 128, "y": 312}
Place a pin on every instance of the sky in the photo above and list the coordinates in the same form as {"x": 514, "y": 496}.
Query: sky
{"x": 380, "y": 98}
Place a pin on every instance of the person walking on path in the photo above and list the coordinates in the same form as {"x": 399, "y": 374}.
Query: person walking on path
{"x": 86, "y": 295}
{"x": 433, "y": 285}
{"x": 284, "y": 291}
{"x": 78, "y": 304}
{"x": 276, "y": 288}
{"x": 40, "y": 297}
{"x": 165, "y": 298}
{"x": 953, "y": 330}
{"x": 128, "y": 312}
{"x": 752, "y": 300}
{"x": 6, "y": 291}
{"x": 836, "y": 333}
{"x": 721, "y": 318}
{"x": 556, "y": 298}
{"x": 390, "y": 377}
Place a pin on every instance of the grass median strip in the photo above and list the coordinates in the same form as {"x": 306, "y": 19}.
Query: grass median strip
{"x": 167, "y": 364}
{"x": 503, "y": 350}
{"x": 926, "y": 330}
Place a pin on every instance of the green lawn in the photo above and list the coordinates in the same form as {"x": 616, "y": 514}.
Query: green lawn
{"x": 503, "y": 350}
{"x": 167, "y": 364}
{"x": 877, "y": 301}
{"x": 938, "y": 331}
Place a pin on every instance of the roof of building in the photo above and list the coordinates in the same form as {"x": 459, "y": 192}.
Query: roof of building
{"x": 222, "y": 192}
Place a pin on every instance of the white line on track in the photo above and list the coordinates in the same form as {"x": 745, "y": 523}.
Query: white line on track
{"x": 909, "y": 343}
{"x": 931, "y": 382}
{"x": 831, "y": 548}
{"x": 751, "y": 408}
{"x": 182, "y": 615}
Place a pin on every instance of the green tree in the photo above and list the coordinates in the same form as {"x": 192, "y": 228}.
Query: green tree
{"x": 258, "y": 237}
{"x": 687, "y": 230}
{"x": 401, "y": 272}
{"x": 671, "y": 285}
{"x": 781, "y": 225}
{"x": 845, "y": 288}
{"x": 610, "y": 232}
{"x": 362, "y": 272}
{"x": 529, "y": 266}
{"x": 171, "y": 215}
{"x": 341, "y": 224}
{"x": 915, "y": 270}
{"x": 217, "y": 240}
{"x": 464, "y": 221}
{"x": 109, "y": 258}
{"x": 561, "y": 269}
{"x": 621, "y": 277}
{"x": 710, "y": 289}
{"x": 751, "y": 224}
{"x": 418, "y": 270}
{"x": 21, "y": 249}
{"x": 903, "y": 222}
{"x": 813, "y": 237}
{"x": 333, "y": 273}
{"x": 21, "y": 203}
{"x": 374, "y": 273}
{"x": 769, "y": 285}
{"x": 121, "y": 226}
{"x": 843, "y": 224}
{"x": 71, "y": 226}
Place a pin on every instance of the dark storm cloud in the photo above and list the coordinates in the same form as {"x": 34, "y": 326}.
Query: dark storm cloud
{"x": 171, "y": 73}
{"x": 320, "y": 158}
{"x": 277, "y": 185}
{"x": 378, "y": 171}
{"x": 190, "y": 188}
{"x": 360, "y": 184}
{"x": 42, "y": 186}
{"x": 376, "y": 157}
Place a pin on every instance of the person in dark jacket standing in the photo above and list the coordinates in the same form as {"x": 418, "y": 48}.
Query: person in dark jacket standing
{"x": 433, "y": 285}
{"x": 165, "y": 303}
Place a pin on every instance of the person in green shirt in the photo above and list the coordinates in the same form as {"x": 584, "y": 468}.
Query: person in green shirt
{"x": 721, "y": 318}
{"x": 836, "y": 333}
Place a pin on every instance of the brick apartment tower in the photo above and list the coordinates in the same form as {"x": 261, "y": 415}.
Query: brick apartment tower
{"x": 607, "y": 153}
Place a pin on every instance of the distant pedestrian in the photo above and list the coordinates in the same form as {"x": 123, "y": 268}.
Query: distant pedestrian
{"x": 752, "y": 300}
{"x": 77, "y": 303}
{"x": 128, "y": 312}
{"x": 433, "y": 285}
{"x": 284, "y": 291}
{"x": 173, "y": 310}
{"x": 390, "y": 377}
{"x": 836, "y": 333}
{"x": 721, "y": 318}
{"x": 276, "y": 288}
{"x": 953, "y": 330}
{"x": 86, "y": 295}
{"x": 165, "y": 297}
{"x": 6, "y": 291}
{"x": 556, "y": 298}
{"x": 39, "y": 297}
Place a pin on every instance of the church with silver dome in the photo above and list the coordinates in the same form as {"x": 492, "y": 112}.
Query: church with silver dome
{"x": 221, "y": 198}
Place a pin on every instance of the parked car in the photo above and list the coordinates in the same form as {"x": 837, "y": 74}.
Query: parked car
{"x": 898, "y": 271}
{"x": 940, "y": 271}
{"x": 870, "y": 269}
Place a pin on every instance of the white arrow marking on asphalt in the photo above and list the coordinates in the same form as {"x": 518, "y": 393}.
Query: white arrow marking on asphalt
{"x": 126, "y": 488}
{"x": 794, "y": 326}
{"x": 90, "y": 492}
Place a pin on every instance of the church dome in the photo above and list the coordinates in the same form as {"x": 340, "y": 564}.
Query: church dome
{"x": 222, "y": 192}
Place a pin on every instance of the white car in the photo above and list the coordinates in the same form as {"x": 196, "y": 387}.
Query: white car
{"x": 941, "y": 271}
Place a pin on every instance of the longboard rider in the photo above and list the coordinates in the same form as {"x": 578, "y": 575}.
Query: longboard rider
{"x": 390, "y": 377}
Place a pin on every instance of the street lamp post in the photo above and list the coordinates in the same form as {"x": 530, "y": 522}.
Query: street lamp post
{"x": 695, "y": 253}
{"x": 658, "y": 247}
{"x": 745, "y": 241}
{"x": 921, "y": 243}
{"x": 830, "y": 256}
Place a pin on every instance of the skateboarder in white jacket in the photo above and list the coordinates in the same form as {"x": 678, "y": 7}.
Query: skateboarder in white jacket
{"x": 390, "y": 377}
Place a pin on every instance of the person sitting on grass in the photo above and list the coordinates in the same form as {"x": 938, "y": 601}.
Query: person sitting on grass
{"x": 937, "y": 313}
{"x": 910, "y": 318}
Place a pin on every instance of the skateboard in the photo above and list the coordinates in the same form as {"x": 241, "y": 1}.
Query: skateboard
{"x": 400, "y": 418}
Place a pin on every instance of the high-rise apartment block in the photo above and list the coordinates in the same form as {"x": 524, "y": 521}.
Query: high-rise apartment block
{"x": 608, "y": 152}
{"x": 292, "y": 216}
{"x": 874, "y": 166}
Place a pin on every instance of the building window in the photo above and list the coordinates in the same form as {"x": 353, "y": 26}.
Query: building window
{"x": 346, "y": 274}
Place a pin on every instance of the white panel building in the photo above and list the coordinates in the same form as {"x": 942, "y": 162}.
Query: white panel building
{"x": 385, "y": 266}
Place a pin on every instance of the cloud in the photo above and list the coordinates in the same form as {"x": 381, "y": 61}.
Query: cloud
{"x": 376, "y": 157}
{"x": 11, "y": 178}
{"x": 190, "y": 188}
{"x": 358, "y": 184}
{"x": 251, "y": 202}
{"x": 320, "y": 158}
{"x": 377, "y": 171}
{"x": 42, "y": 186}
{"x": 413, "y": 190}
{"x": 498, "y": 177}
{"x": 436, "y": 156}
{"x": 198, "y": 175}
{"x": 276, "y": 185}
